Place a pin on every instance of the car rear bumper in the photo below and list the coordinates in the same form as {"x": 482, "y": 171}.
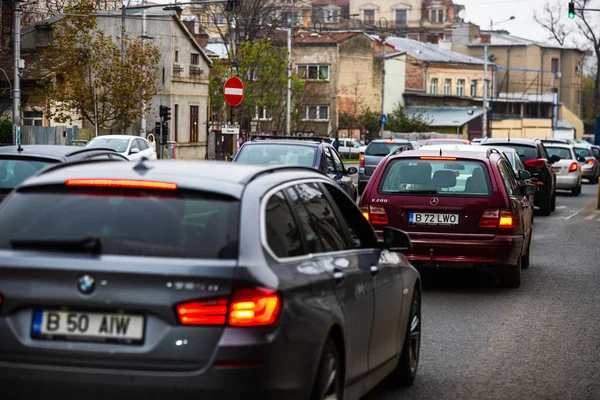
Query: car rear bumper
{"x": 448, "y": 251}
{"x": 588, "y": 173}
{"x": 246, "y": 365}
{"x": 567, "y": 181}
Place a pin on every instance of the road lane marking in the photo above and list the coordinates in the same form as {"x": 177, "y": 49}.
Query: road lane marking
{"x": 589, "y": 217}
{"x": 561, "y": 207}
{"x": 572, "y": 215}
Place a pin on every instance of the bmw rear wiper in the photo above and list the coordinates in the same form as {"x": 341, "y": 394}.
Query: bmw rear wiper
{"x": 91, "y": 245}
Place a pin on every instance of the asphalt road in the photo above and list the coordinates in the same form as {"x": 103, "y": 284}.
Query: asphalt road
{"x": 541, "y": 341}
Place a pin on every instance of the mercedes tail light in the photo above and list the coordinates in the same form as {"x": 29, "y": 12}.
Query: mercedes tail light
{"x": 375, "y": 214}
{"x": 573, "y": 167}
{"x": 493, "y": 218}
{"x": 361, "y": 160}
{"x": 246, "y": 307}
{"x": 538, "y": 163}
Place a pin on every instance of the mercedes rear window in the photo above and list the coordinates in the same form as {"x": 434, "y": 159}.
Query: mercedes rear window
{"x": 15, "y": 171}
{"x": 563, "y": 152}
{"x": 383, "y": 148}
{"x": 445, "y": 177}
{"x": 199, "y": 225}
{"x": 278, "y": 154}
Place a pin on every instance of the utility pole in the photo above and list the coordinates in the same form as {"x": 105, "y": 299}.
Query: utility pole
{"x": 143, "y": 123}
{"x": 383, "y": 85}
{"x": 17, "y": 72}
{"x": 288, "y": 106}
{"x": 485, "y": 90}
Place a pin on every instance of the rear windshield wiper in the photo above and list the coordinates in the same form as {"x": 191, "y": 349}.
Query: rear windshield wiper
{"x": 91, "y": 245}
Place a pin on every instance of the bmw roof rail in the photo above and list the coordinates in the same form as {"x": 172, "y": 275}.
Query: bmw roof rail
{"x": 276, "y": 168}
{"x": 491, "y": 151}
{"x": 275, "y": 137}
{"x": 400, "y": 150}
{"x": 86, "y": 149}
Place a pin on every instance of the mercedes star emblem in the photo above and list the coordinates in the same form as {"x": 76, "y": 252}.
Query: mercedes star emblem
{"x": 434, "y": 201}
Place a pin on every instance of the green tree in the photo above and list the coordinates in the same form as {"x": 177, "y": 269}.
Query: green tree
{"x": 6, "y": 130}
{"x": 588, "y": 114}
{"x": 88, "y": 74}
{"x": 370, "y": 121}
{"x": 262, "y": 68}
{"x": 398, "y": 121}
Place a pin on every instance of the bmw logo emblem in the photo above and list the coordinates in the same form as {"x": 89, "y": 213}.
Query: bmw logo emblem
{"x": 86, "y": 284}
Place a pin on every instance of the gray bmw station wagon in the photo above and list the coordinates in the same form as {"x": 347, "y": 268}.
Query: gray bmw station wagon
{"x": 209, "y": 279}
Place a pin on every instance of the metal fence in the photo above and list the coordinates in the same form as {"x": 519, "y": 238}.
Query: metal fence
{"x": 48, "y": 135}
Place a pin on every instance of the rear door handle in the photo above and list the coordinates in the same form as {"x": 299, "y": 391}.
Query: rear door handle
{"x": 338, "y": 276}
{"x": 374, "y": 270}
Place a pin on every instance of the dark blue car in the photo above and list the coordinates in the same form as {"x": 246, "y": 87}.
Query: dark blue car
{"x": 308, "y": 152}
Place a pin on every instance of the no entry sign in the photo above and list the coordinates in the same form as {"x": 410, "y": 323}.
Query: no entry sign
{"x": 233, "y": 90}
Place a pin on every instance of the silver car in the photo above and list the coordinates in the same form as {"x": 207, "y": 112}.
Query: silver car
{"x": 590, "y": 167}
{"x": 568, "y": 170}
{"x": 217, "y": 280}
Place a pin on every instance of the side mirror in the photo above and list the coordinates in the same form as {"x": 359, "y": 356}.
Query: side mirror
{"x": 134, "y": 151}
{"x": 530, "y": 189}
{"x": 352, "y": 170}
{"x": 554, "y": 158}
{"x": 395, "y": 240}
{"x": 524, "y": 174}
{"x": 230, "y": 158}
{"x": 580, "y": 159}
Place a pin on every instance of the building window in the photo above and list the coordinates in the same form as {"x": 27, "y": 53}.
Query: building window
{"x": 316, "y": 113}
{"x": 577, "y": 68}
{"x": 176, "y": 121}
{"x": 401, "y": 18}
{"x": 447, "y": 86}
{"x": 263, "y": 114}
{"x": 33, "y": 118}
{"x": 194, "y": 123}
{"x": 314, "y": 72}
{"x": 433, "y": 86}
{"x": 219, "y": 19}
{"x": 436, "y": 15}
{"x": 473, "y": 88}
{"x": 460, "y": 87}
{"x": 554, "y": 65}
{"x": 176, "y": 56}
{"x": 369, "y": 17}
{"x": 195, "y": 59}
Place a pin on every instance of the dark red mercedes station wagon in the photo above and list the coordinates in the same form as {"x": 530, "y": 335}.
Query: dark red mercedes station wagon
{"x": 461, "y": 209}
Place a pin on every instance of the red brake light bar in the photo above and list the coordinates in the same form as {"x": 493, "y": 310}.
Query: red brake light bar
{"x": 121, "y": 183}
{"x": 438, "y": 158}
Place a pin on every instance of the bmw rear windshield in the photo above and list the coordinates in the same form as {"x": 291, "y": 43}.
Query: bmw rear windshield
{"x": 189, "y": 225}
{"x": 461, "y": 178}
{"x": 382, "y": 149}
{"x": 278, "y": 154}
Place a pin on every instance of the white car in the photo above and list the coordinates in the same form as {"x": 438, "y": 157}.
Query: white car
{"x": 568, "y": 170}
{"x": 132, "y": 147}
{"x": 348, "y": 146}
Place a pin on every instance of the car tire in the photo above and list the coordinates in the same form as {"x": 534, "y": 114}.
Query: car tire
{"x": 408, "y": 364}
{"x": 361, "y": 188}
{"x": 553, "y": 201}
{"x": 546, "y": 206}
{"x": 525, "y": 258}
{"x": 576, "y": 191}
{"x": 329, "y": 382}
{"x": 510, "y": 275}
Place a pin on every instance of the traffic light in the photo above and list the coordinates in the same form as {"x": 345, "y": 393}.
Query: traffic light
{"x": 165, "y": 113}
{"x": 157, "y": 130}
{"x": 571, "y": 10}
{"x": 165, "y": 133}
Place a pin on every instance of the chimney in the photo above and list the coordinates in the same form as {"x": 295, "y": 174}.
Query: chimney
{"x": 485, "y": 38}
{"x": 445, "y": 45}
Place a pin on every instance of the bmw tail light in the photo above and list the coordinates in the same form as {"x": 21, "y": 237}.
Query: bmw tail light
{"x": 361, "y": 160}
{"x": 205, "y": 312}
{"x": 375, "y": 214}
{"x": 573, "y": 167}
{"x": 489, "y": 218}
{"x": 252, "y": 307}
{"x": 539, "y": 163}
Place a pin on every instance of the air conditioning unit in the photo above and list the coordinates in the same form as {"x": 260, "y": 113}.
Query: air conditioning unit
{"x": 559, "y": 75}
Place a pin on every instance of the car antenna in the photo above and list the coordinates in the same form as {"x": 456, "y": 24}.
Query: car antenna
{"x": 440, "y": 152}
{"x": 141, "y": 168}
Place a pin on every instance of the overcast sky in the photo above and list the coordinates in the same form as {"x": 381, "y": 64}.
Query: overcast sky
{"x": 481, "y": 11}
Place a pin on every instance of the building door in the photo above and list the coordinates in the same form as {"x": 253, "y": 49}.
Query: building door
{"x": 194, "y": 111}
